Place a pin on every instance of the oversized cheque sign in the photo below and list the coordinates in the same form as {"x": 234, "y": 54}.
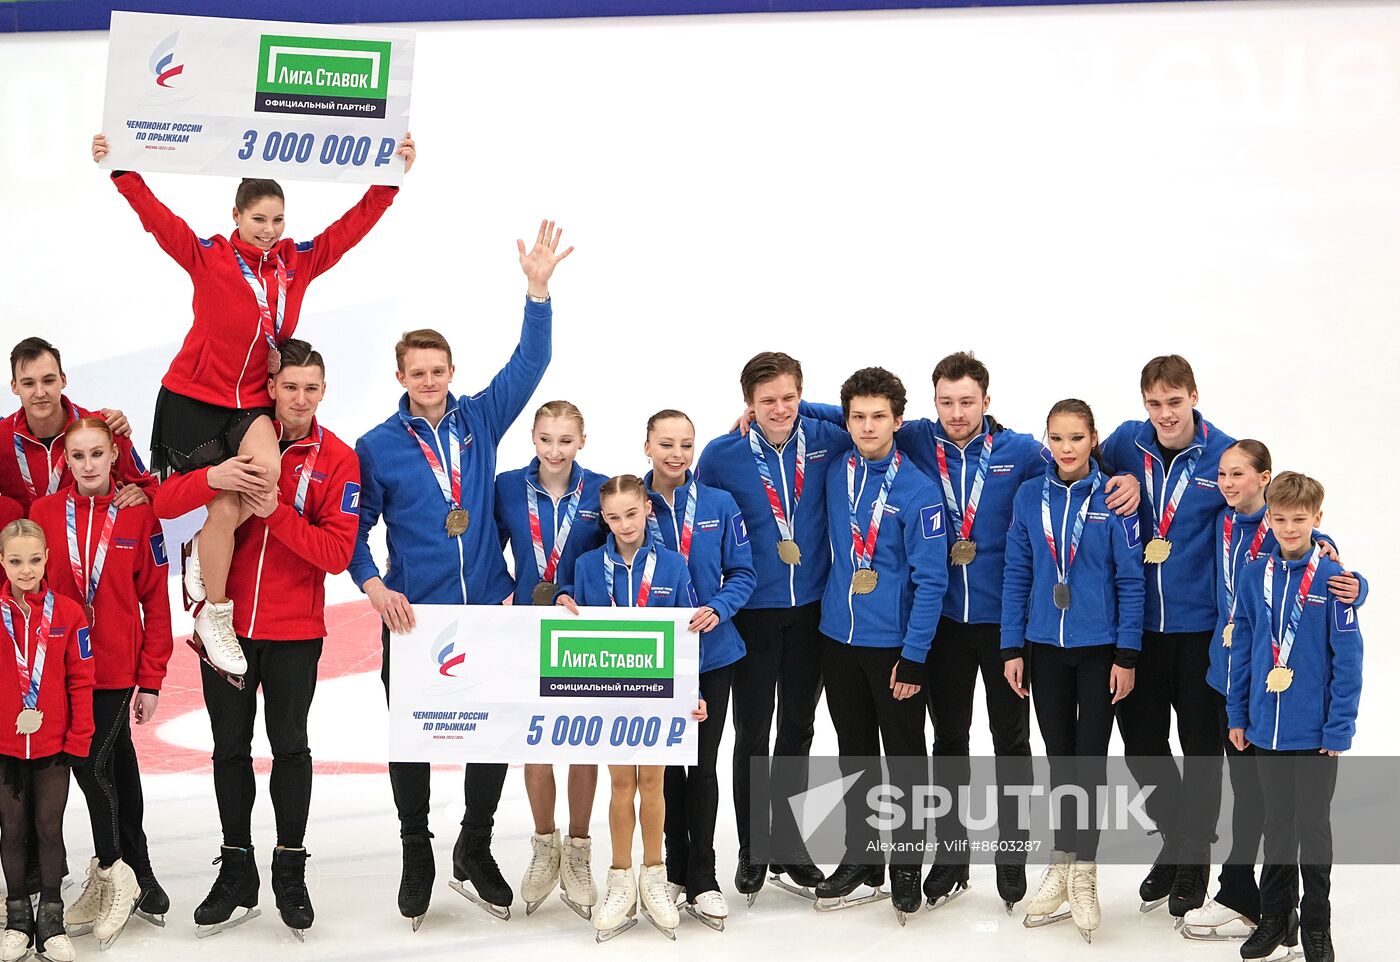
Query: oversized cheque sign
{"x": 520, "y": 683}
{"x": 253, "y": 98}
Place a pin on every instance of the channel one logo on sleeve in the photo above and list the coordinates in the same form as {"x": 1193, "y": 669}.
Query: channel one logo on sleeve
{"x": 607, "y": 659}
{"x": 322, "y": 75}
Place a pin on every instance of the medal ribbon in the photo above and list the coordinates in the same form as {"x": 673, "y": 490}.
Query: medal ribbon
{"x": 1229, "y": 557}
{"x": 1149, "y": 475}
{"x": 29, "y": 680}
{"x": 87, "y": 582}
{"x": 547, "y": 568}
{"x": 1049, "y": 529}
{"x": 1284, "y": 647}
{"x": 271, "y": 329}
{"x": 643, "y": 592}
{"x": 55, "y": 470}
{"x": 687, "y": 526}
{"x": 307, "y": 467}
{"x": 963, "y": 520}
{"x": 865, "y": 547}
{"x": 781, "y": 517}
{"x": 451, "y": 488}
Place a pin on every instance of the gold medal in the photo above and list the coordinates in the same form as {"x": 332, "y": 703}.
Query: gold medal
{"x": 1227, "y": 635}
{"x": 1158, "y": 550}
{"x": 543, "y": 593}
{"x": 1279, "y": 679}
{"x": 864, "y": 580}
{"x": 964, "y": 551}
{"x": 789, "y": 553}
{"x": 457, "y": 521}
{"x": 28, "y": 721}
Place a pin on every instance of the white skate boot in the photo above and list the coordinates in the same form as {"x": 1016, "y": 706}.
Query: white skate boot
{"x": 543, "y": 872}
{"x": 1214, "y": 922}
{"x": 214, "y": 626}
{"x": 657, "y": 906}
{"x": 1083, "y": 891}
{"x": 1047, "y": 905}
{"x": 576, "y": 876}
{"x": 81, "y": 916}
{"x": 710, "y": 908}
{"x": 618, "y": 913}
{"x": 193, "y": 579}
{"x": 120, "y": 892}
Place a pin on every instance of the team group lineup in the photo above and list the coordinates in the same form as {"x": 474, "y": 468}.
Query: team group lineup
{"x": 838, "y": 549}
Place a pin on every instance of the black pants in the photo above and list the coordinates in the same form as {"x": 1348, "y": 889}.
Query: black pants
{"x": 286, "y": 670}
{"x": 111, "y": 783}
{"x": 412, "y": 783}
{"x": 33, "y": 795}
{"x": 1298, "y": 787}
{"x": 692, "y": 795}
{"x": 866, "y": 716}
{"x": 1075, "y": 712}
{"x": 784, "y": 658}
{"x": 959, "y": 653}
{"x": 1238, "y": 888}
{"x": 1171, "y": 674}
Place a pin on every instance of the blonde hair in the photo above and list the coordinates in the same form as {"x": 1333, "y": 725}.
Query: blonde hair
{"x": 22, "y": 528}
{"x": 1290, "y": 489}
{"x": 559, "y": 409}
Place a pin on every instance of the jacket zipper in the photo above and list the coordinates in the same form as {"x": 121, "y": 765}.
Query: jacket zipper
{"x": 237, "y": 397}
{"x": 262, "y": 555}
{"x": 1278, "y": 696}
{"x": 851, "y": 589}
{"x": 967, "y": 588}
{"x": 1064, "y": 552}
{"x": 1166, "y": 476}
{"x": 28, "y": 750}
{"x": 787, "y": 509}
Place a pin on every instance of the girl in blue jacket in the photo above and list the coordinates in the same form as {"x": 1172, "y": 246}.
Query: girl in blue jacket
{"x": 1073, "y": 587}
{"x": 632, "y": 570}
{"x": 705, "y": 526}
{"x": 549, "y": 514}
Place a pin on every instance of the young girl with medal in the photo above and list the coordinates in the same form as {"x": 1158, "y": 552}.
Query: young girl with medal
{"x": 1073, "y": 588}
{"x": 705, "y": 526}
{"x": 632, "y": 570}
{"x": 111, "y": 560}
{"x": 1243, "y": 535}
{"x": 212, "y": 406}
{"x": 548, "y": 512}
{"x": 46, "y": 679}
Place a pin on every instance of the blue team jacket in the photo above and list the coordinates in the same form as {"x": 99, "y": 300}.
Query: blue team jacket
{"x": 727, "y": 463}
{"x": 670, "y": 582}
{"x": 1242, "y": 533}
{"x": 1318, "y": 710}
{"x": 721, "y": 564}
{"x": 513, "y": 523}
{"x": 1180, "y": 592}
{"x": 424, "y": 563}
{"x": 1105, "y": 580}
{"x": 910, "y": 558}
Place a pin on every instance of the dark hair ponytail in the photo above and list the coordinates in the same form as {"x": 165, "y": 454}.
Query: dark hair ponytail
{"x": 253, "y": 189}
{"x": 1255, "y": 452}
{"x": 1080, "y": 409}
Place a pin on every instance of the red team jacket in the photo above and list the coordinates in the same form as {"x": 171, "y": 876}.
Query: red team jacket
{"x": 129, "y": 469}
{"x": 131, "y": 631}
{"x": 277, "y": 580}
{"x": 10, "y": 510}
{"x": 223, "y": 360}
{"x": 65, "y": 691}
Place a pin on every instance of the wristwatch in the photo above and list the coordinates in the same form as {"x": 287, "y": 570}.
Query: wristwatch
{"x": 537, "y": 300}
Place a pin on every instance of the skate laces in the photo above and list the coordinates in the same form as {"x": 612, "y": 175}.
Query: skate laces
{"x": 223, "y": 882}
{"x": 224, "y": 638}
{"x": 1052, "y": 881}
{"x": 580, "y": 868}
{"x": 1083, "y": 888}
{"x": 538, "y": 871}
{"x": 291, "y": 882}
{"x": 616, "y": 898}
{"x": 655, "y": 887}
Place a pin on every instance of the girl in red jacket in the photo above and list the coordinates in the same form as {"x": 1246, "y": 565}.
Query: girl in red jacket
{"x": 112, "y": 561}
{"x": 212, "y": 405}
{"x": 46, "y": 678}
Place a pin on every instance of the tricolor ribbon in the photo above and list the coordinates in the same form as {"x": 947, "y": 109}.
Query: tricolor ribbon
{"x": 55, "y": 470}
{"x": 1283, "y": 644}
{"x": 271, "y": 328}
{"x": 30, "y": 679}
{"x": 548, "y": 566}
{"x": 1062, "y": 572}
{"x": 451, "y": 487}
{"x": 865, "y": 547}
{"x": 683, "y": 536}
{"x": 785, "y": 520}
{"x": 644, "y": 591}
{"x": 307, "y": 467}
{"x": 1165, "y": 515}
{"x": 1230, "y": 557}
{"x": 963, "y": 520}
{"x": 87, "y": 582}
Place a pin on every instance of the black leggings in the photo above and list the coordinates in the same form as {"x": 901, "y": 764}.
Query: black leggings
{"x": 111, "y": 783}
{"x": 39, "y": 796}
{"x": 692, "y": 795}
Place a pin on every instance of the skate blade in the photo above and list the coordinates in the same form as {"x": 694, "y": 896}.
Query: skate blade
{"x": 669, "y": 933}
{"x": 1208, "y": 933}
{"x": 78, "y": 931}
{"x": 1146, "y": 907}
{"x": 1036, "y": 921}
{"x": 1087, "y": 935}
{"x": 781, "y": 882}
{"x": 299, "y": 934}
{"x": 1284, "y": 953}
{"x": 712, "y": 921}
{"x": 531, "y": 906}
{"x": 1010, "y": 907}
{"x": 157, "y": 920}
{"x": 943, "y": 900}
{"x": 501, "y": 912}
{"x": 611, "y": 934}
{"x": 418, "y": 921}
{"x": 903, "y": 917}
{"x": 104, "y": 944}
{"x": 204, "y": 931}
{"x": 194, "y": 642}
{"x": 848, "y": 901}
{"x": 1177, "y": 923}
{"x": 582, "y": 911}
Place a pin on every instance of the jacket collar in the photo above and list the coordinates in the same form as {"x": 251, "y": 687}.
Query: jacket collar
{"x": 299, "y": 442}
{"x": 1052, "y": 472}
{"x": 532, "y": 477}
{"x": 70, "y": 414}
{"x": 1147, "y": 435}
{"x": 611, "y": 549}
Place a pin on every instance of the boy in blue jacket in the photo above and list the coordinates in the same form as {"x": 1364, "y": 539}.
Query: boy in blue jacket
{"x": 1295, "y": 684}
{"x": 889, "y": 573}
{"x": 429, "y": 471}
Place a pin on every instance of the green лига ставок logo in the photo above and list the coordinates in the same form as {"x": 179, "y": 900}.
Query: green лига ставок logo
{"x": 607, "y": 659}
{"x": 322, "y": 75}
